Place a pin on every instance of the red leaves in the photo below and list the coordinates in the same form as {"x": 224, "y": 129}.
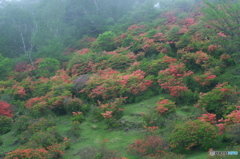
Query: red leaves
{"x": 189, "y": 21}
{"x": 21, "y": 67}
{"x": 170, "y": 17}
{"x": 208, "y": 117}
{"x": 28, "y": 153}
{"x": 107, "y": 114}
{"x": 165, "y": 106}
{"x": 146, "y": 47}
{"x": 234, "y": 117}
{"x": 212, "y": 48}
{"x": 19, "y": 90}
{"x": 172, "y": 79}
{"x": 151, "y": 145}
{"x": 5, "y": 109}
{"x": 201, "y": 57}
{"x": 31, "y": 102}
{"x": 133, "y": 27}
{"x": 222, "y": 34}
{"x": 211, "y": 77}
{"x": 111, "y": 83}
{"x": 221, "y": 128}
{"x": 168, "y": 59}
{"x": 205, "y": 79}
{"x": 224, "y": 56}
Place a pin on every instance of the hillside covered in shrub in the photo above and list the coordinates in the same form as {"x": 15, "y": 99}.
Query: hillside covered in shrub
{"x": 157, "y": 80}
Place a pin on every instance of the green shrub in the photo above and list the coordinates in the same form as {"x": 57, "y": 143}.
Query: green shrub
{"x": 44, "y": 138}
{"x": 21, "y": 124}
{"x": 78, "y": 116}
{"x": 5, "y": 66}
{"x": 42, "y": 89}
{"x": 119, "y": 62}
{"x": 34, "y": 127}
{"x": 48, "y": 67}
{"x": 150, "y": 145}
{"x": 219, "y": 100}
{"x": 75, "y": 105}
{"x": 105, "y": 41}
{"x": 173, "y": 33}
{"x": 1, "y": 142}
{"x": 5, "y": 124}
{"x": 193, "y": 134}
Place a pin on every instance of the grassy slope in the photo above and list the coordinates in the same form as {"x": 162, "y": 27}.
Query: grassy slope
{"x": 117, "y": 140}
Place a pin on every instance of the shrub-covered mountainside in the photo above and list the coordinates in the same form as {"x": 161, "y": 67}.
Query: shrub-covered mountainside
{"x": 161, "y": 83}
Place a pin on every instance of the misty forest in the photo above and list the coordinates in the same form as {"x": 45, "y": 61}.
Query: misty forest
{"x": 119, "y": 79}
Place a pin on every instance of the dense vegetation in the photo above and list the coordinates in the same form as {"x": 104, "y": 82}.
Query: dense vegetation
{"x": 91, "y": 80}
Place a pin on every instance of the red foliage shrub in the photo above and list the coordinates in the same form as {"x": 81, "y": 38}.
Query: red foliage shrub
{"x": 21, "y": 67}
{"x": 224, "y": 56}
{"x": 221, "y": 128}
{"x": 31, "y": 102}
{"x": 212, "y": 48}
{"x": 83, "y": 51}
{"x": 133, "y": 27}
{"x": 233, "y": 117}
{"x": 110, "y": 83}
{"x": 208, "y": 117}
{"x": 107, "y": 114}
{"x": 171, "y": 18}
{"x": 165, "y": 106}
{"x": 172, "y": 78}
{"x": 28, "y": 153}
{"x": 19, "y": 90}
{"x": 189, "y": 21}
{"x": 205, "y": 79}
{"x": 222, "y": 34}
{"x": 5, "y": 109}
{"x": 146, "y": 47}
{"x": 201, "y": 57}
{"x": 149, "y": 146}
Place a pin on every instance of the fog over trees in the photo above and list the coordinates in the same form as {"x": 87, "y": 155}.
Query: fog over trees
{"x": 43, "y": 28}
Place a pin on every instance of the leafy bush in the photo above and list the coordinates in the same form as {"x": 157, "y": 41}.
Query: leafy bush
{"x": 78, "y": 64}
{"x": 78, "y": 116}
{"x": 1, "y": 142}
{"x": 44, "y": 138}
{"x": 21, "y": 124}
{"x": 165, "y": 106}
{"x": 118, "y": 62}
{"x": 109, "y": 84}
{"x": 173, "y": 33}
{"x": 28, "y": 153}
{"x": 105, "y": 41}
{"x": 41, "y": 89}
{"x": 80, "y": 82}
{"x": 5, "y": 109}
{"x": 233, "y": 132}
{"x": 5, "y": 124}
{"x": 192, "y": 134}
{"x": 219, "y": 100}
{"x": 5, "y": 66}
{"x": 75, "y": 105}
{"x": 151, "y": 145}
{"x": 35, "y": 126}
{"x": 48, "y": 67}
